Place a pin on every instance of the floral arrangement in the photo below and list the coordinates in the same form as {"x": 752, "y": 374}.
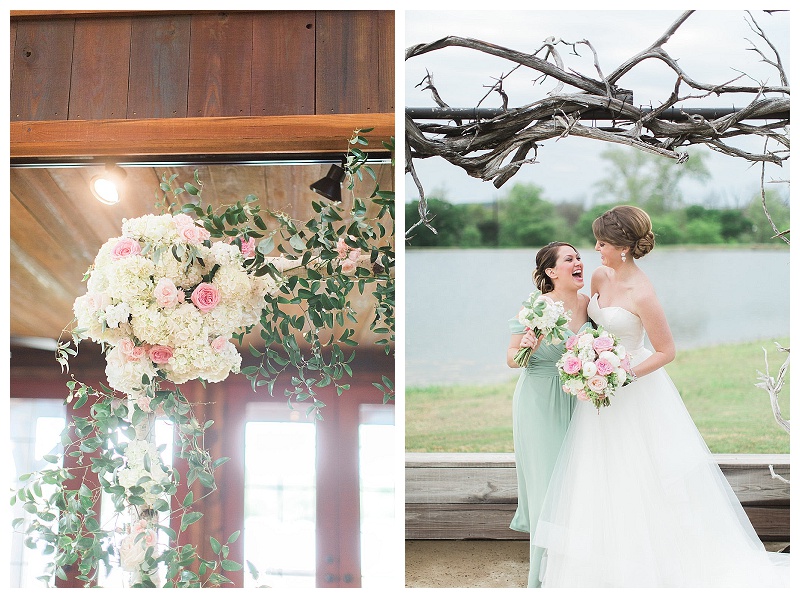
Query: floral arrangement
{"x": 165, "y": 298}
{"x": 546, "y": 318}
{"x": 594, "y": 366}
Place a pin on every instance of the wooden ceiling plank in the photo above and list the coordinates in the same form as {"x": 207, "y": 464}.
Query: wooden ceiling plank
{"x": 42, "y": 62}
{"x": 44, "y": 252}
{"x": 100, "y": 67}
{"x": 160, "y": 67}
{"x": 43, "y": 198}
{"x": 386, "y": 66}
{"x": 256, "y": 135}
{"x": 346, "y": 50}
{"x": 33, "y": 285}
{"x": 283, "y": 63}
{"x": 220, "y": 64}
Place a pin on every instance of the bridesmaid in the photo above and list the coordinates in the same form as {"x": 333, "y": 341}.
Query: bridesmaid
{"x": 541, "y": 409}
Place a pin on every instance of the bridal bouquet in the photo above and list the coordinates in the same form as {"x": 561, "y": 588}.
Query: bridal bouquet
{"x": 594, "y": 366}
{"x": 166, "y": 300}
{"x": 545, "y": 317}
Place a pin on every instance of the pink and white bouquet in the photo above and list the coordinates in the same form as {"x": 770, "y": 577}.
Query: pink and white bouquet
{"x": 162, "y": 298}
{"x": 545, "y": 317}
{"x": 594, "y": 366}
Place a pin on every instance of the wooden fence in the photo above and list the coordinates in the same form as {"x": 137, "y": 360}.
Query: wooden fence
{"x": 452, "y": 496}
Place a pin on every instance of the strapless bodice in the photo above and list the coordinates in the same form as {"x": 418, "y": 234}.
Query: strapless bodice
{"x": 626, "y": 326}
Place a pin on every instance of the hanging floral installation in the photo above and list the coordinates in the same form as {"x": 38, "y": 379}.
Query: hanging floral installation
{"x": 170, "y": 300}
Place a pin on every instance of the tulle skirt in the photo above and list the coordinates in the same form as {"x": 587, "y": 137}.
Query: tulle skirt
{"x": 637, "y": 500}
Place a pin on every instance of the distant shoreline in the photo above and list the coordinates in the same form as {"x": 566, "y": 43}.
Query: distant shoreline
{"x": 721, "y": 246}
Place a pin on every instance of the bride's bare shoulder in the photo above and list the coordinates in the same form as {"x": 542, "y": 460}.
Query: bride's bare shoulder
{"x": 643, "y": 291}
{"x": 600, "y": 275}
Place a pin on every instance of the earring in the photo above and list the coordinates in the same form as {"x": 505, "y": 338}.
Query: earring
{"x": 623, "y": 256}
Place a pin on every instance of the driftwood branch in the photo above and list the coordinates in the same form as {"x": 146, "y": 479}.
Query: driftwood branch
{"x": 773, "y": 386}
{"x": 495, "y": 148}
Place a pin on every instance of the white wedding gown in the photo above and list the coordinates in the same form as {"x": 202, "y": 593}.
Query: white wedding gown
{"x": 636, "y": 498}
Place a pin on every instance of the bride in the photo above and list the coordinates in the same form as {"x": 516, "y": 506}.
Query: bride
{"x": 636, "y": 498}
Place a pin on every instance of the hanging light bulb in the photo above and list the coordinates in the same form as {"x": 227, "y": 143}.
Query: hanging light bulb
{"x": 107, "y": 187}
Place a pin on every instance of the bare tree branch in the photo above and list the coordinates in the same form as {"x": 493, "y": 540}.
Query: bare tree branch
{"x": 495, "y": 148}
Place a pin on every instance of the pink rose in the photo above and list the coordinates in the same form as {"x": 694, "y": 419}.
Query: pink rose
{"x": 572, "y": 365}
{"x": 342, "y": 249}
{"x": 348, "y": 267}
{"x": 160, "y": 354}
{"x": 125, "y": 248}
{"x": 354, "y": 254}
{"x": 137, "y": 353}
{"x": 582, "y": 396}
{"x": 126, "y": 345}
{"x": 604, "y": 367}
{"x": 603, "y": 343}
{"x": 139, "y": 526}
{"x": 130, "y": 350}
{"x": 249, "y": 247}
{"x": 194, "y": 235}
{"x": 167, "y": 294}
{"x": 571, "y": 342}
{"x": 182, "y": 221}
{"x": 205, "y": 297}
{"x": 218, "y": 344}
{"x": 597, "y": 383}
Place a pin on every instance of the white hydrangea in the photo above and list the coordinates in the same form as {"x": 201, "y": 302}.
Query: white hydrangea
{"x": 117, "y": 314}
{"x": 126, "y": 375}
{"x": 155, "y": 230}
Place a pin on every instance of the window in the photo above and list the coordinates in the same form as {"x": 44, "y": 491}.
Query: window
{"x": 379, "y": 557}
{"x": 280, "y": 496}
{"x": 36, "y": 432}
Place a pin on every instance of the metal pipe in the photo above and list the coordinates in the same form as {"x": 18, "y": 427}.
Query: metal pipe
{"x": 673, "y": 114}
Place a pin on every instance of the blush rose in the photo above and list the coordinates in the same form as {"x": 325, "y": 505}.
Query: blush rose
{"x": 160, "y": 354}
{"x": 205, "y": 297}
{"x": 597, "y": 383}
{"x": 572, "y": 365}
{"x": 604, "y": 367}
{"x": 125, "y": 248}
{"x": 603, "y": 343}
{"x": 167, "y": 294}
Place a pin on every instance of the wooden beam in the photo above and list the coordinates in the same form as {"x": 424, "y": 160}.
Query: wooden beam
{"x": 252, "y": 135}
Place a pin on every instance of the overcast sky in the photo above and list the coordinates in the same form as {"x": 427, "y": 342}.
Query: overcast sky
{"x": 711, "y": 47}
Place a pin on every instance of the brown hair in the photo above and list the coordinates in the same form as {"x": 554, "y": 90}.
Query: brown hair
{"x": 546, "y": 258}
{"x": 626, "y": 226}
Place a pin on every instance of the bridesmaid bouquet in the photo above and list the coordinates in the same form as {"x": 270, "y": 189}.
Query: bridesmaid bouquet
{"x": 545, "y": 317}
{"x": 594, "y": 366}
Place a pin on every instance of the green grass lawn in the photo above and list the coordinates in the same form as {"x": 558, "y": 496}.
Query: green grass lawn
{"x": 717, "y": 385}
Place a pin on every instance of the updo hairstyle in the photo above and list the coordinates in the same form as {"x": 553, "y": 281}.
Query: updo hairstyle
{"x": 546, "y": 258}
{"x": 626, "y": 226}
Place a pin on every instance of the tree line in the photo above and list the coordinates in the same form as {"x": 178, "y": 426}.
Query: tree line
{"x": 526, "y": 218}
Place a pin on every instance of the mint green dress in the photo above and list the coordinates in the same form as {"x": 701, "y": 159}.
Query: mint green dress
{"x": 541, "y": 416}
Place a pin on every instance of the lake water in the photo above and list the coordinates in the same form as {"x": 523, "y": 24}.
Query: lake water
{"x": 458, "y": 302}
